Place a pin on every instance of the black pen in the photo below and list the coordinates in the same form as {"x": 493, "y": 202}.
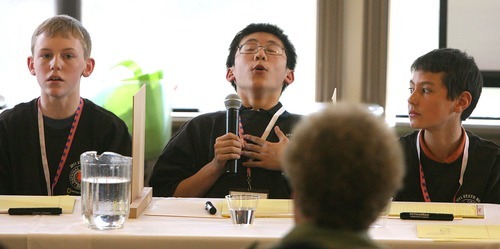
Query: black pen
{"x": 36, "y": 211}
{"x": 425, "y": 216}
{"x": 210, "y": 207}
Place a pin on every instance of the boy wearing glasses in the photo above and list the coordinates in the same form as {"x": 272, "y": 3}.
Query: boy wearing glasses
{"x": 446, "y": 163}
{"x": 41, "y": 141}
{"x": 260, "y": 66}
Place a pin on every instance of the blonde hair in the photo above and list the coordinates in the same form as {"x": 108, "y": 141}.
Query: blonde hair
{"x": 64, "y": 26}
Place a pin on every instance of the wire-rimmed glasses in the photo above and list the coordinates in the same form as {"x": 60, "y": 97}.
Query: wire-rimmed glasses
{"x": 252, "y": 48}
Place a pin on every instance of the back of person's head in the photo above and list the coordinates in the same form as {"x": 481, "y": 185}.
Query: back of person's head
{"x": 460, "y": 73}
{"x": 291, "y": 56}
{"x": 66, "y": 27}
{"x": 343, "y": 164}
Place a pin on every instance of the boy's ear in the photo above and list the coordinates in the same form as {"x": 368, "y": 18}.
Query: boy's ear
{"x": 31, "y": 66}
{"x": 290, "y": 77}
{"x": 89, "y": 67}
{"x": 464, "y": 101}
{"x": 230, "y": 75}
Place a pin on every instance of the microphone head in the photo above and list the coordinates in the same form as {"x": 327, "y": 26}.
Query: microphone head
{"x": 232, "y": 101}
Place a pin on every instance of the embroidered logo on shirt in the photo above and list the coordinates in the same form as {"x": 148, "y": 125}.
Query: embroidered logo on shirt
{"x": 75, "y": 176}
{"x": 468, "y": 198}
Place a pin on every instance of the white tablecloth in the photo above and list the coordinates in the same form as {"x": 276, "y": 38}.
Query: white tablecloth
{"x": 68, "y": 231}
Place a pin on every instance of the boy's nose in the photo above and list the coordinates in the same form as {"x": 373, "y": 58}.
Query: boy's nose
{"x": 412, "y": 98}
{"x": 55, "y": 64}
{"x": 261, "y": 54}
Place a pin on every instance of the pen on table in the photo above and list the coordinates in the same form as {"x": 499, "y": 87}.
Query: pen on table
{"x": 425, "y": 216}
{"x": 35, "y": 211}
{"x": 210, "y": 207}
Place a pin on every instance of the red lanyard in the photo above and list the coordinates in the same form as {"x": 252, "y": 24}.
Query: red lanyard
{"x": 264, "y": 137}
{"x": 423, "y": 184}
{"x": 67, "y": 147}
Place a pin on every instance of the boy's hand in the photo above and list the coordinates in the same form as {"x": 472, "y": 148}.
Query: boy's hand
{"x": 264, "y": 154}
{"x": 226, "y": 147}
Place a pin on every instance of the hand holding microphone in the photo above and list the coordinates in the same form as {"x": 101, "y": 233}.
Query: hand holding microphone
{"x": 233, "y": 104}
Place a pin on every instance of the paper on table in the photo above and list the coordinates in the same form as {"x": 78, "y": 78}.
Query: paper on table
{"x": 459, "y": 231}
{"x": 195, "y": 207}
{"x": 269, "y": 208}
{"x": 65, "y": 202}
{"x": 463, "y": 210}
{"x": 183, "y": 207}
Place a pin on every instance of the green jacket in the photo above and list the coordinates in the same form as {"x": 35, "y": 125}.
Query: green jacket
{"x": 317, "y": 237}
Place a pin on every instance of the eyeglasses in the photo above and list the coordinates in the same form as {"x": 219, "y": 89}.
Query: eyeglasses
{"x": 252, "y": 48}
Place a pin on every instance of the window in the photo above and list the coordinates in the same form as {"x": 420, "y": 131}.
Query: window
{"x": 189, "y": 41}
{"x": 165, "y": 35}
{"x": 414, "y": 31}
{"x": 18, "y": 20}
{"x": 481, "y": 43}
{"x": 162, "y": 35}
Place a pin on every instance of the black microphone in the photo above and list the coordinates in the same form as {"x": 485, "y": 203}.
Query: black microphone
{"x": 233, "y": 104}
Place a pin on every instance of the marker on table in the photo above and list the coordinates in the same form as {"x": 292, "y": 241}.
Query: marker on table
{"x": 210, "y": 207}
{"x": 425, "y": 216}
{"x": 35, "y": 211}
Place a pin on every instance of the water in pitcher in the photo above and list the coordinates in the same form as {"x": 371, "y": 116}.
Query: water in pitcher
{"x": 107, "y": 204}
{"x": 106, "y": 189}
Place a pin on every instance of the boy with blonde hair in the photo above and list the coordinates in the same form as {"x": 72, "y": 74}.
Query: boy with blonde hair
{"x": 41, "y": 141}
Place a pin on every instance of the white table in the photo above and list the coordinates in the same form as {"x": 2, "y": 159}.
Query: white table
{"x": 68, "y": 231}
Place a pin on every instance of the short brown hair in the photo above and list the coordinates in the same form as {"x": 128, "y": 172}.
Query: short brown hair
{"x": 343, "y": 164}
{"x": 64, "y": 26}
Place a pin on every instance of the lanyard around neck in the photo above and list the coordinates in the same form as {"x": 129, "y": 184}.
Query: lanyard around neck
{"x": 264, "y": 136}
{"x": 423, "y": 184}
{"x": 67, "y": 147}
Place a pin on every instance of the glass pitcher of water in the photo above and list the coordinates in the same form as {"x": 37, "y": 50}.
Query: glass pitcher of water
{"x": 105, "y": 197}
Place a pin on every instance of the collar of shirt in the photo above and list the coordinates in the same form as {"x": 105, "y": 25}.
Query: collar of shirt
{"x": 453, "y": 157}
{"x": 271, "y": 111}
